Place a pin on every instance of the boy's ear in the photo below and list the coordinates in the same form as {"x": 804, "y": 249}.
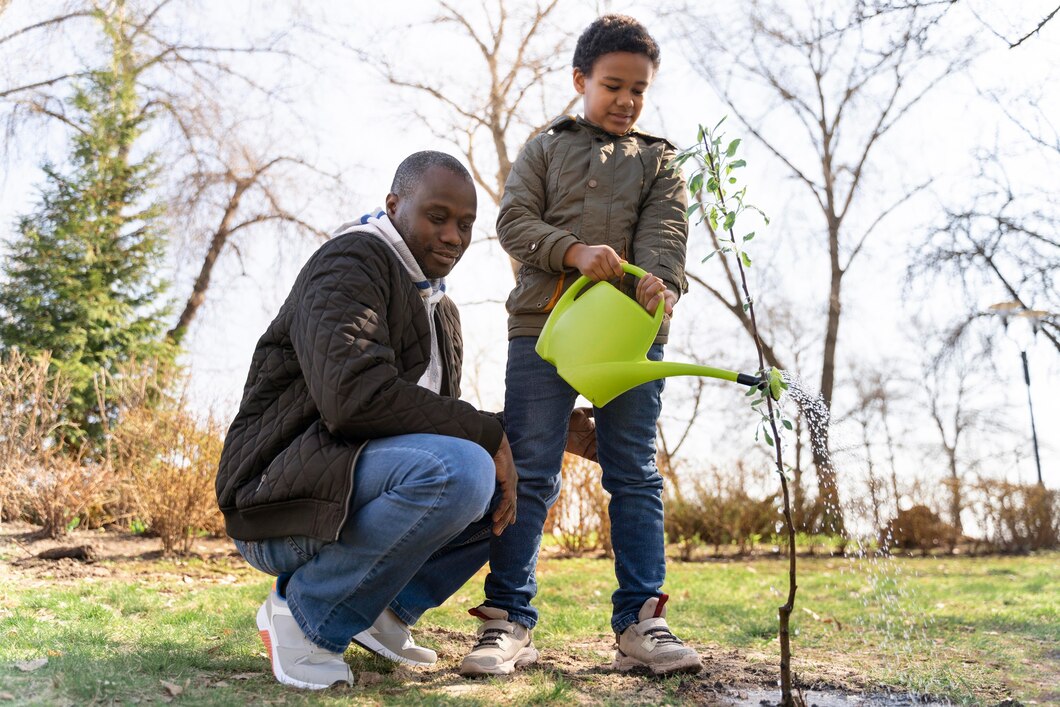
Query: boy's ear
{"x": 579, "y": 81}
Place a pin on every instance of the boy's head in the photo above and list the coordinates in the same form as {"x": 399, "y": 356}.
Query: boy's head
{"x": 614, "y": 63}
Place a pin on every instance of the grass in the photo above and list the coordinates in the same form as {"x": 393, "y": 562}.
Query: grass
{"x": 968, "y": 630}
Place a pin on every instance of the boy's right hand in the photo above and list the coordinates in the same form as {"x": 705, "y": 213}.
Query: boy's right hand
{"x": 596, "y": 262}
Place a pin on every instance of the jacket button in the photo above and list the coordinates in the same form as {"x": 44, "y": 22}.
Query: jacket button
{"x": 592, "y": 183}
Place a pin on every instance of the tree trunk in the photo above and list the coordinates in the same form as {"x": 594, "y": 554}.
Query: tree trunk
{"x": 202, "y": 282}
{"x": 831, "y": 510}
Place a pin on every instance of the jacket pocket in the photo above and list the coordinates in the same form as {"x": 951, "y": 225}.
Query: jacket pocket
{"x": 536, "y": 291}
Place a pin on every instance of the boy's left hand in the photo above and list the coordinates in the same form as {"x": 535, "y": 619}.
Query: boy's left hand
{"x": 650, "y": 289}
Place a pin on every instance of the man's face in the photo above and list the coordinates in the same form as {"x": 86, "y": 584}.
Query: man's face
{"x": 614, "y": 90}
{"x": 436, "y": 219}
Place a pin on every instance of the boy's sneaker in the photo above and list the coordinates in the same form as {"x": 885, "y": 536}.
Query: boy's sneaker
{"x": 296, "y": 660}
{"x": 502, "y": 645}
{"x": 390, "y": 638}
{"x": 649, "y": 644}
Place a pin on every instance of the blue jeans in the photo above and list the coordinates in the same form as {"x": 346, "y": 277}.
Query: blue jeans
{"x": 537, "y": 408}
{"x": 418, "y": 529}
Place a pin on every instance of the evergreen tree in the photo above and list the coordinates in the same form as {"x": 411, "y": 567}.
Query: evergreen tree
{"x": 81, "y": 279}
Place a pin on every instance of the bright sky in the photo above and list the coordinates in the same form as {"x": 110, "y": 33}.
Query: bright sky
{"x": 366, "y": 128}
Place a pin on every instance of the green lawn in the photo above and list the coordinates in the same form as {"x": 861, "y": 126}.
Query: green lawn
{"x": 973, "y": 630}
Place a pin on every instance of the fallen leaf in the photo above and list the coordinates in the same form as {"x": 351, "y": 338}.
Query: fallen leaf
{"x": 825, "y": 620}
{"x": 369, "y": 678}
{"x": 29, "y": 666}
{"x": 243, "y": 676}
{"x": 219, "y": 683}
{"x": 171, "y": 689}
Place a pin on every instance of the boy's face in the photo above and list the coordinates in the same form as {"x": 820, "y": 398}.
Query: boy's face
{"x": 436, "y": 219}
{"x": 614, "y": 90}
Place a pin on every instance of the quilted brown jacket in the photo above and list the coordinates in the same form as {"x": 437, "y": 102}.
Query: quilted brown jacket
{"x": 577, "y": 183}
{"x": 338, "y": 366}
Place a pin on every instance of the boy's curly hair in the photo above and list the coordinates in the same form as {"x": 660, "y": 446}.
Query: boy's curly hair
{"x": 613, "y": 33}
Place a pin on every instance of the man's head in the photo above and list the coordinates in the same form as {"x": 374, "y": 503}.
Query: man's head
{"x": 614, "y": 63}
{"x": 432, "y": 204}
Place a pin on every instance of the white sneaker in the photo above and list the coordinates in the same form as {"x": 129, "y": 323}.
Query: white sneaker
{"x": 649, "y": 644}
{"x": 297, "y": 661}
{"x": 502, "y": 645}
{"x": 390, "y": 638}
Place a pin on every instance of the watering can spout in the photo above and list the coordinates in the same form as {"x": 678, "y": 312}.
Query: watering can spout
{"x": 600, "y": 346}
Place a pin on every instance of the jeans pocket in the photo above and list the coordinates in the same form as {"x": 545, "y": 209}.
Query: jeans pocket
{"x": 303, "y": 547}
{"x": 253, "y": 552}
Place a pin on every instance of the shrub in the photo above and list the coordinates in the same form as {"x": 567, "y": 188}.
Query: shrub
{"x": 42, "y": 480}
{"x": 721, "y": 513}
{"x": 1017, "y": 517}
{"x": 168, "y": 459}
{"x": 918, "y": 528}
{"x": 579, "y": 519}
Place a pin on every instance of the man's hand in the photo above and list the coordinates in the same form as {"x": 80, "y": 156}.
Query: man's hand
{"x": 507, "y": 479}
{"x": 596, "y": 262}
{"x": 650, "y": 289}
{"x": 581, "y": 434}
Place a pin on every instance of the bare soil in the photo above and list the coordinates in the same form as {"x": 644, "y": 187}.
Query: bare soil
{"x": 730, "y": 677}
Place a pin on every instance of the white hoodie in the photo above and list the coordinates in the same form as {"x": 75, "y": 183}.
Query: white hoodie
{"x": 431, "y": 291}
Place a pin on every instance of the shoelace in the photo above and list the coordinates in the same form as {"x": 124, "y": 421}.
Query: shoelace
{"x": 661, "y": 634}
{"x": 490, "y": 637}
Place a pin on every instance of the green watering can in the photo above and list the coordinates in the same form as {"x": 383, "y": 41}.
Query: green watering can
{"x": 599, "y": 344}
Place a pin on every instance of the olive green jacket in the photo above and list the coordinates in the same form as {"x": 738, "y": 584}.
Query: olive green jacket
{"x": 577, "y": 183}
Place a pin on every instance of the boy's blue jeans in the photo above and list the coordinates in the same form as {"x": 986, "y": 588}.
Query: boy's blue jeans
{"x": 418, "y": 529}
{"x": 537, "y": 407}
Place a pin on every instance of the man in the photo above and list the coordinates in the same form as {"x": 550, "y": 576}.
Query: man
{"x": 352, "y": 471}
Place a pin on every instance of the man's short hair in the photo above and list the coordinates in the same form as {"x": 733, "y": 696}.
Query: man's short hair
{"x": 411, "y": 170}
{"x": 613, "y": 33}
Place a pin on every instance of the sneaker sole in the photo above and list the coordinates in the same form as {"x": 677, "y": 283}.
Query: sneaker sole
{"x": 526, "y": 656}
{"x": 365, "y": 641}
{"x": 624, "y": 664}
{"x": 266, "y": 637}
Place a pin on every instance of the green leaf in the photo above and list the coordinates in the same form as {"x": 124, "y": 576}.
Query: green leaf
{"x": 730, "y": 219}
{"x": 695, "y": 184}
{"x": 749, "y": 236}
{"x": 732, "y": 180}
{"x": 746, "y": 260}
{"x": 709, "y": 256}
{"x": 786, "y": 423}
{"x": 712, "y": 184}
{"x": 769, "y": 440}
{"x": 691, "y": 210}
{"x": 737, "y": 163}
{"x": 731, "y": 149}
{"x": 750, "y": 392}
{"x": 719, "y": 123}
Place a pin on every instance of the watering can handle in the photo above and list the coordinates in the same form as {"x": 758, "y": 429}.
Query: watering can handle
{"x": 568, "y": 297}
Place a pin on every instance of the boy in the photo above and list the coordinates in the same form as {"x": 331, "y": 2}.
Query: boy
{"x": 582, "y": 197}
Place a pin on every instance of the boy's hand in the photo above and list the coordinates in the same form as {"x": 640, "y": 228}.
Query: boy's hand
{"x": 596, "y": 262}
{"x": 650, "y": 289}
{"x": 507, "y": 479}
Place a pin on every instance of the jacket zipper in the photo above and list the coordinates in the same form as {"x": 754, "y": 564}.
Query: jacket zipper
{"x": 349, "y": 493}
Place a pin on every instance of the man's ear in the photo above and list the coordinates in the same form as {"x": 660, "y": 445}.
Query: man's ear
{"x": 579, "y": 81}
{"x": 392, "y": 200}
